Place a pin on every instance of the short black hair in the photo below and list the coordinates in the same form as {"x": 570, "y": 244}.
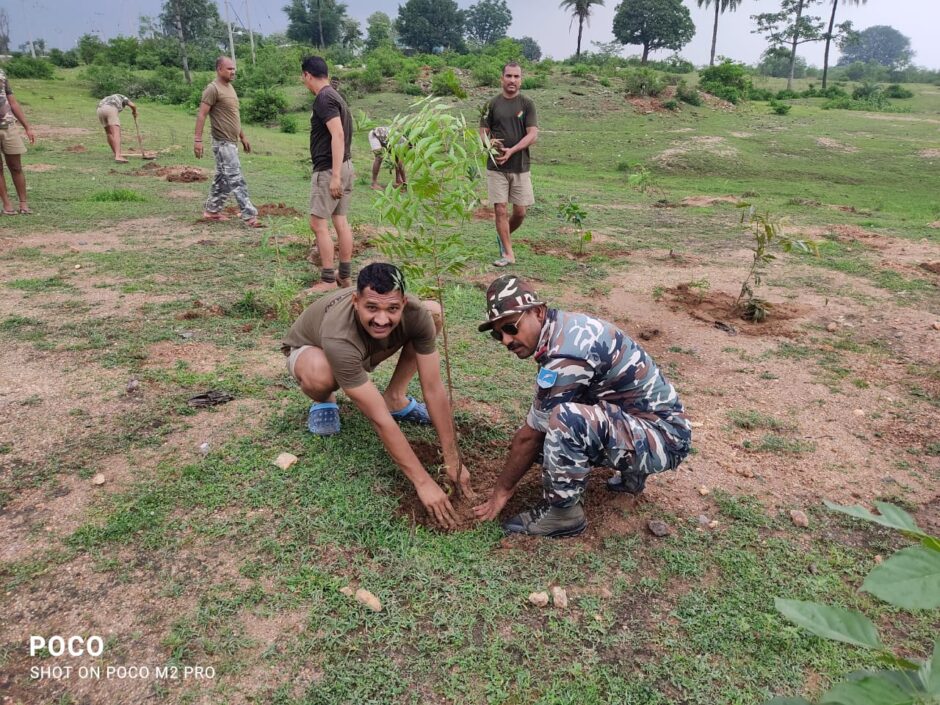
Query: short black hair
{"x": 381, "y": 277}
{"x": 512, "y": 63}
{"x": 315, "y": 66}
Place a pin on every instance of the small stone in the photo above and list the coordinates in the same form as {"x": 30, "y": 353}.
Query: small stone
{"x": 704, "y": 520}
{"x": 347, "y": 591}
{"x": 186, "y": 334}
{"x": 704, "y": 491}
{"x": 559, "y": 597}
{"x": 204, "y": 448}
{"x": 746, "y": 472}
{"x": 78, "y": 266}
{"x": 936, "y": 325}
{"x": 813, "y": 568}
{"x": 696, "y": 424}
{"x": 285, "y": 460}
{"x": 832, "y": 327}
{"x": 658, "y": 528}
{"x": 98, "y": 479}
{"x": 858, "y": 412}
{"x": 539, "y": 599}
{"x": 713, "y": 524}
{"x": 132, "y": 386}
{"x": 879, "y": 558}
{"x": 799, "y": 518}
{"x": 369, "y": 600}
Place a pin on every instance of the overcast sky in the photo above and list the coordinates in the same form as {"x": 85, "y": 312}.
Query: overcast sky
{"x": 61, "y": 22}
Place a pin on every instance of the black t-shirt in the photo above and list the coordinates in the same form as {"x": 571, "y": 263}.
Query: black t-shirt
{"x": 508, "y": 120}
{"x": 327, "y": 105}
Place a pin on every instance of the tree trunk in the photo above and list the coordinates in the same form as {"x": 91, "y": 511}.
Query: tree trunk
{"x": 320, "y": 23}
{"x": 711, "y": 61}
{"x": 179, "y": 29}
{"x": 646, "y": 53}
{"x": 832, "y": 21}
{"x": 580, "y": 28}
{"x": 796, "y": 38}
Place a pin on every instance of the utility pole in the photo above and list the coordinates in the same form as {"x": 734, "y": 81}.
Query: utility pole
{"x": 251, "y": 34}
{"x": 231, "y": 39}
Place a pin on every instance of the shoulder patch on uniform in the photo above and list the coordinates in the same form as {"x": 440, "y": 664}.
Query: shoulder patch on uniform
{"x": 546, "y": 378}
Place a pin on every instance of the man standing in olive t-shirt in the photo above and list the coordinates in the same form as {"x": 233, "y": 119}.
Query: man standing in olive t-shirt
{"x": 343, "y": 336}
{"x": 511, "y": 124}
{"x": 220, "y": 104}
{"x": 331, "y": 131}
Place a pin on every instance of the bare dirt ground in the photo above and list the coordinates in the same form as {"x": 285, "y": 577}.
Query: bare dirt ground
{"x": 843, "y": 393}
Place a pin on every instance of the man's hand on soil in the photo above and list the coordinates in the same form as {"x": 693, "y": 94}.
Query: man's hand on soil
{"x": 491, "y": 508}
{"x": 460, "y": 482}
{"x": 437, "y": 505}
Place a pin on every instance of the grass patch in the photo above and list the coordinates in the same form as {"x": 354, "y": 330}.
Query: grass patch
{"x": 117, "y": 195}
{"x": 749, "y": 420}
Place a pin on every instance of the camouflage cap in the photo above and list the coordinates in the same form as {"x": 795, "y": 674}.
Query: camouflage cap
{"x": 508, "y": 295}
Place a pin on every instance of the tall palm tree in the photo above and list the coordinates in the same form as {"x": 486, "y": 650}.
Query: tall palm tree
{"x": 582, "y": 10}
{"x": 832, "y": 21}
{"x": 720, "y": 7}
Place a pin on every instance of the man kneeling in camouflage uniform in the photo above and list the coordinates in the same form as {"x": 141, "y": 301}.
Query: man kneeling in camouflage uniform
{"x": 600, "y": 401}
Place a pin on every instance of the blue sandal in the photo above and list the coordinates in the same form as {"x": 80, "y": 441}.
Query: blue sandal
{"x": 414, "y": 411}
{"x": 323, "y": 419}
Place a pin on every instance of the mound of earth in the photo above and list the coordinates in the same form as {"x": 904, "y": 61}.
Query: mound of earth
{"x": 720, "y": 310}
{"x": 269, "y": 209}
{"x": 183, "y": 174}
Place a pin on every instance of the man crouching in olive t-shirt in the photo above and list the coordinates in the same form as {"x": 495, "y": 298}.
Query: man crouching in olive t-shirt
{"x": 343, "y": 336}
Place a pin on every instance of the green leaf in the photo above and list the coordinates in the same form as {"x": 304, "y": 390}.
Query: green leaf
{"x": 870, "y": 690}
{"x": 898, "y": 662}
{"x": 891, "y": 516}
{"x": 930, "y": 671}
{"x": 909, "y": 579}
{"x": 831, "y": 622}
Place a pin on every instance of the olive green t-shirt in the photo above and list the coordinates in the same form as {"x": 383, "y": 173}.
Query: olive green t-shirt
{"x": 330, "y": 323}
{"x": 223, "y": 111}
{"x": 509, "y": 119}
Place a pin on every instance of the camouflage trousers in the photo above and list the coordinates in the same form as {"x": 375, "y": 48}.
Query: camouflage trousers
{"x": 582, "y": 436}
{"x": 228, "y": 180}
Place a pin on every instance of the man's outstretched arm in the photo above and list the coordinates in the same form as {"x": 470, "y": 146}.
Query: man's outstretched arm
{"x": 522, "y": 453}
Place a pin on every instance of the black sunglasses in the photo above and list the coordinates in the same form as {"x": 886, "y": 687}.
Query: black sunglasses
{"x": 509, "y": 328}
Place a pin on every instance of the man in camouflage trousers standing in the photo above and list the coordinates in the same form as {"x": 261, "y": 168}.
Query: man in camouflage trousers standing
{"x": 220, "y": 104}
{"x": 600, "y": 401}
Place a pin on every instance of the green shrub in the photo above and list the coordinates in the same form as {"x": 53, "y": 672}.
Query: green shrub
{"x": 580, "y": 70}
{"x": 760, "y": 94}
{"x": 446, "y": 83}
{"x": 28, "y": 67}
{"x": 410, "y": 89}
{"x": 671, "y": 104}
{"x": 486, "y": 71}
{"x": 538, "y": 81}
{"x": 687, "y": 94}
{"x": 786, "y": 94}
{"x": 106, "y": 80}
{"x": 116, "y": 195}
{"x": 64, "y": 59}
{"x": 726, "y": 80}
{"x": 370, "y": 80}
{"x": 895, "y": 90}
{"x": 288, "y": 124}
{"x": 265, "y": 105}
{"x": 388, "y": 61}
{"x": 780, "y": 108}
{"x": 868, "y": 91}
{"x": 640, "y": 82}
{"x": 676, "y": 64}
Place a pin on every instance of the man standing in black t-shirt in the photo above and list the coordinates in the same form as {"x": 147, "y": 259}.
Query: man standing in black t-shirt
{"x": 510, "y": 122}
{"x": 331, "y": 131}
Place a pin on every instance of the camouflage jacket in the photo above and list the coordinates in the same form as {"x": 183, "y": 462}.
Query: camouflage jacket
{"x": 589, "y": 361}
{"x": 6, "y": 112}
{"x": 115, "y": 101}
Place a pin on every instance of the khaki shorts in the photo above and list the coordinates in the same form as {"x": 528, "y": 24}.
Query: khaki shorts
{"x": 322, "y": 203}
{"x": 505, "y": 187}
{"x": 108, "y": 115}
{"x": 11, "y": 142}
{"x": 292, "y": 358}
